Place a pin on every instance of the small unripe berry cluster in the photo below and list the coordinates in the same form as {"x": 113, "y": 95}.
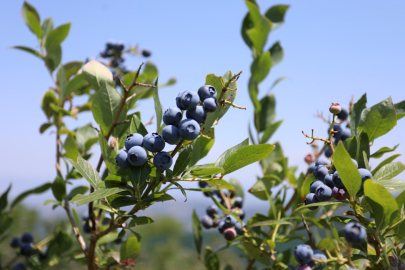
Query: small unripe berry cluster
{"x": 226, "y": 224}
{"x": 309, "y": 258}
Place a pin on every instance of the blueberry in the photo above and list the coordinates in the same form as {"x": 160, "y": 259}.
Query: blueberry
{"x": 19, "y": 266}
{"x": 314, "y": 185}
{"x": 238, "y": 202}
{"x": 27, "y": 238}
{"x": 87, "y": 227}
{"x": 338, "y": 128}
{"x": 210, "y": 105}
{"x": 15, "y": 242}
{"x": 323, "y": 193}
{"x": 178, "y": 101}
{"x": 309, "y": 199}
{"x": 122, "y": 160}
{"x": 137, "y": 156}
{"x": 346, "y": 134}
{"x": 241, "y": 214}
{"x": 303, "y": 267}
{"x": 207, "y": 91}
{"x": 351, "y": 268}
{"x": 354, "y": 233}
{"x": 328, "y": 152}
{"x": 335, "y": 108}
{"x": 202, "y": 184}
{"x": 153, "y": 142}
{"x": 239, "y": 229}
{"x": 132, "y": 140}
{"x": 355, "y": 163}
{"x": 365, "y": 174}
{"x": 216, "y": 223}
{"x": 26, "y": 249}
{"x": 303, "y": 254}
{"x": 230, "y": 234}
{"x": 311, "y": 169}
{"x": 189, "y": 129}
{"x": 198, "y": 114}
{"x": 344, "y": 113}
{"x": 328, "y": 180}
{"x": 189, "y": 100}
{"x": 221, "y": 226}
{"x": 320, "y": 172}
{"x": 319, "y": 256}
{"x": 212, "y": 211}
{"x": 339, "y": 194}
{"x": 172, "y": 116}
{"x": 230, "y": 221}
{"x": 207, "y": 222}
{"x": 322, "y": 161}
{"x": 171, "y": 134}
{"x": 163, "y": 160}
{"x": 337, "y": 181}
{"x": 146, "y": 52}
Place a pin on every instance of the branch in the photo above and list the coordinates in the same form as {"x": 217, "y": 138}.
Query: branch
{"x": 79, "y": 237}
{"x": 149, "y": 122}
{"x": 233, "y": 105}
{"x": 315, "y": 138}
{"x": 320, "y": 115}
{"x": 178, "y": 146}
{"x": 225, "y": 88}
{"x": 309, "y": 233}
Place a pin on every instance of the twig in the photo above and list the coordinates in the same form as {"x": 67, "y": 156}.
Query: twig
{"x": 315, "y": 138}
{"x": 228, "y": 205}
{"x": 251, "y": 263}
{"x": 226, "y": 85}
{"x": 207, "y": 137}
{"x": 149, "y": 122}
{"x": 79, "y": 237}
{"x": 233, "y": 105}
{"x": 309, "y": 233}
{"x": 177, "y": 148}
{"x": 320, "y": 115}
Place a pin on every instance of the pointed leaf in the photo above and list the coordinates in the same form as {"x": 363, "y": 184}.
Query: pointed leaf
{"x": 393, "y": 185}
{"x": 130, "y": 249}
{"x": 269, "y": 131}
{"x": 37, "y": 190}
{"x": 261, "y": 27}
{"x": 211, "y": 260}
{"x": 277, "y": 53}
{"x": 108, "y": 154}
{"x": 400, "y": 109}
{"x": 267, "y": 114}
{"x": 87, "y": 171}
{"x": 261, "y": 67}
{"x": 70, "y": 146}
{"x": 271, "y": 223}
{"x": 47, "y": 27}
{"x": 276, "y": 15}
{"x": 31, "y": 19}
{"x": 383, "y": 150}
{"x": 53, "y": 58}
{"x": 57, "y": 36}
{"x": 389, "y": 171}
{"x": 385, "y": 162}
{"x": 321, "y": 204}
{"x": 206, "y": 171}
{"x": 77, "y": 190}
{"x": 364, "y": 146}
{"x": 96, "y": 195}
{"x": 3, "y": 199}
{"x": 158, "y": 108}
{"x": 29, "y": 50}
{"x": 59, "y": 188}
{"x": 197, "y": 231}
{"x": 74, "y": 84}
{"x": 225, "y": 155}
{"x": 183, "y": 160}
{"x": 355, "y": 113}
{"x": 97, "y": 74}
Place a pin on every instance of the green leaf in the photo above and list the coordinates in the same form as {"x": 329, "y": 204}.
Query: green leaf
{"x": 247, "y": 155}
{"x": 215, "y": 81}
{"x": 267, "y": 113}
{"x": 85, "y": 135}
{"x": 253, "y": 88}
{"x": 96, "y": 195}
{"x": 261, "y": 189}
{"x": 348, "y": 172}
{"x": 389, "y": 171}
{"x": 382, "y": 203}
{"x": 201, "y": 147}
{"x": 122, "y": 201}
{"x": 5, "y": 223}
{"x": 220, "y": 184}
{"x": 60, "y": 244}
{"x": 400, "y": 109}
{"x": 379, "y": 119}
{"x": 57, "y": 36}
{"x": 87, "y": 171}
{"x": 384, "y": 162}
{"x": 261, "y": 27}
{"x": 225, "y": 155}
{"x": 181, "y": 188}
{"x": 73, "y": 85}
{"x": 139, "y": 175}
{"x": 270, "y": 223}
{"x": 211, "y": 260}
{"x": 393, "y": 185}
{"x": 246, "y": 25}
{"x": 70, "y": 146}
{"x": 97, "y": 74}
{"x": 321, "y": 204}
{"x": 383, "y": 150}
{"x": 261, "y": 67}
{"x": 77, "y": 190}
{"x": 53, "y": 58}
{"x": 277, "y": 53}
{"x": 44, "y": 127}
{"x": 130, "y": 249}
{"x": 47, "y": 98}
{"x": 304, "y": 191}
{"x": 72, "y": 68}
{"x": 75, "y": 216}
{"x": 158, "y": 108}
{"x": 37, "y": 190}
{"x": 59, "y": 188}
{"x": 31, "y": 19}
{"x": 355, "y": 114}
{"x": 206, "y": 171}
{"x": 112, "y": 236}
{"x": 105, "y": 107}
{"x": 47, "y": 27}
{"x": 183, "y": 160}
{"x": 255, "y": 252}
{"x": 364, "y": 146}
{"x": 365, "y": 159}
{"x": 29, "y": 50}
{"x": 269, "y": 131}
{"x": 238, "y": 188}
{"x": 277, "y": 82}
{"x": 3, "y": 199}
{"x": 140, "y": 221}
{"x": 108, "y": 154}
{"x": 276, "y": 15}
{"x": 352, "y": 149}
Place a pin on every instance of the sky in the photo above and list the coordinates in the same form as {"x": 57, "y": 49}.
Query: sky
{"x": 333, "y": 50}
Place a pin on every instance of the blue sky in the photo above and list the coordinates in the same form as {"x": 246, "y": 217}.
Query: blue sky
{"x": 333, "y": 50}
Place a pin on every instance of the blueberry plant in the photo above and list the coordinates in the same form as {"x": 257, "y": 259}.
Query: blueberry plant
{"x": 138, "y": 172}
{"x": 340, "y": 213}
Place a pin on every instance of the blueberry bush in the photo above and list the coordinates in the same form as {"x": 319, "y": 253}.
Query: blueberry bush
{"x": 339, "y": 214}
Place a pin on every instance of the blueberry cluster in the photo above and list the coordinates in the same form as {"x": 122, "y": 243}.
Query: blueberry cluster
{"x": 226, "y": 224}
{"x": 309, "y": 258}
{"x": 176, "y": 129}
{"x": 25, "y": 244}
{"x": 329, "y": 184}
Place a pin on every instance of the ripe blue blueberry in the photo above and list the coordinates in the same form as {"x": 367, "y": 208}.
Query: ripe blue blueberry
{"x": 314, "y": 185}
{"x": 122, "y": 160}
{"x": 198, "y": 114}
{"x": 337, "y": 181}
{"x": 241, "y": 214}
{"x": 87, "y": 227}
{"x": 336, "y": 135}
{"x": 203, "y": 184}
{"x": 153, "y": 142}
{"x": 137, "y": 156}
{"x": 221, "y": 226}
{"x": 189, "y": 129}
{"x": 171, "y": 134}
{"x": 230, "y": 221}
{"x": 238, "y": 202}
{"x": 212, "y": 211}
{"x": 322, "y": 161}
{"x": 303, "y": 267}
{"x": 354, "y": 233}
{"x": 172, "y": 116}
{"x": 26, "y": 249}
{"x": 210, "y": 105}
{"x": 207, "y": 91}
{"x": 239, "y": 228}
{"x": 320, "y": 172}
{"x": 346, "y": 134}
{"x": 15, "y": 242}
{"x": 311, "y": 169}
{"x": 310, "y": 199}
{"x": 178, "y": 101}
{"x": 163, "y": 160}
{"x": 344, "y": 113}
{"x": 189, "y": 100}
{"x": 319, "y": 256}
{"x": 303, "y": 254}
{"x": 323, "y": 193}
{"x": 27, "y": 238}
{"x": 365, "y": 174}
{"x": 146, "y": 52}
{"x": 206, "y": 221}
{"x": 355, "y": 163}
{"x": 328, "y": 180}
{"x": 19, "y": 266}
{"x": 328, "y": 152}
{"x": 230, "y": 234}
{"x": 132, "y": 140}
